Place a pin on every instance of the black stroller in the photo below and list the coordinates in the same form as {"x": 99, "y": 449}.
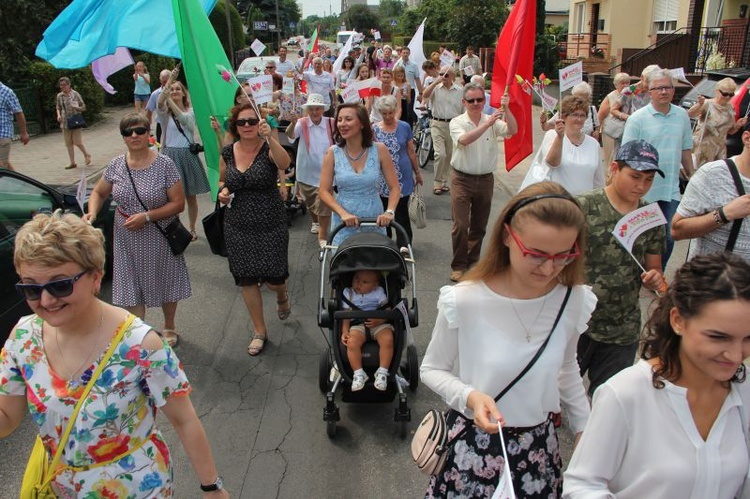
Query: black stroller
{"x": 367, "y": 251}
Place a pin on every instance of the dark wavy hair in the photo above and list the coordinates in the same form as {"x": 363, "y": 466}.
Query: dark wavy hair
{"x": 234, "y": 113}
{"x": 364, "y": 118}
{"x": 703, "y": 280}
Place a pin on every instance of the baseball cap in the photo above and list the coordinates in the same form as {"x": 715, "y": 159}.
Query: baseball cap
{"x": 639, "y": 155}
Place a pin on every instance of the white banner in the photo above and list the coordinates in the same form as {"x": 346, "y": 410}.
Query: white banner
{"x": 548, "y": 102}
{"x": 261, "y": 88}
{"x": 637, "y": 222}
{"x": 81, "y": 191}
{"x": 288, "y": 86}
{"x": 447, "y": 58}
{"x": 257, "y": 47}
{"x": 350, "y": 93}
{"x": 571, "y": 76}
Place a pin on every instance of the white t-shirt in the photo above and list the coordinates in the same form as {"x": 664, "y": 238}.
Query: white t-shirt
{"x": 478, "y": 343}
{"x": 641, "y": 442}
{"x": 284, "y": 67}
{"x": 710, "y": 187}
{"x": 580, "y": 169}
{"x": 173, "y": 137}
{"x": 368, "y": 301}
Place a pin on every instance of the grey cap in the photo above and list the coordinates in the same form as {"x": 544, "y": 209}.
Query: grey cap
{"x": 640, "y": 155}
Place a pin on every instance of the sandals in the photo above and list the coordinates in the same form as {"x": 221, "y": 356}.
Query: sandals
{"x": 88, "y": 159}
{"x": 195, "y": 236}
{"x": 257, "y": 344}
{"x": 445, "y": 188}
{"x": 284, "y": 312}
{"x": 71, "y": 166}
{"x": 437, "y": 191}
{"x": 171, "y": 337}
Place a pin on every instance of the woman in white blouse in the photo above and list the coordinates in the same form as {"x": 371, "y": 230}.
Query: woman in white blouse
{"x": 675, "y": 424}
{"x": 573, "y": 158}
{"x": 489, "y": 327}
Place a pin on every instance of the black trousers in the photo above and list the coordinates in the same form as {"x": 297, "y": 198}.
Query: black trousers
{"x": 401, "y": 218}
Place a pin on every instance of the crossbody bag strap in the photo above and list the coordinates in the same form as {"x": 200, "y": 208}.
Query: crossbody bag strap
{"x": 69, "y": 427}
{"x": 736, "y": 225}
{"x": 531, "y": 363}
{"x": 135, "y": 191}
{"x": 179, "y": 127}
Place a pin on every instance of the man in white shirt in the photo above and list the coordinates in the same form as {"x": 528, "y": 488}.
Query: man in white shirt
{"x": 412, "y": 72}
{"x": 474, "y": 160}
{"x": 472, "y": 62}
{"x": 444, "y": 98}
{"x": 321, "y": 82}
{"x": 153, "y": 100}
{"x": 284, "y": 65}
{"x": 315, "y": 132}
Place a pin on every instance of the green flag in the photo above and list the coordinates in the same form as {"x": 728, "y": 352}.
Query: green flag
{"x": 206, "y": 66}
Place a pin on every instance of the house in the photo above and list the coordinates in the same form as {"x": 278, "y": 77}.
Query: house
{"x": 557, "y": 12}
{"x": 671, "y": 33}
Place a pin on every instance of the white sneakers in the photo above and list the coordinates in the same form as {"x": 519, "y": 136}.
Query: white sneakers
{"x": 314, "y": 228}
{"x": 360, "y": 378}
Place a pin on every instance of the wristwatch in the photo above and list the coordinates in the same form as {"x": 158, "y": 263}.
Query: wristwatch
{"x": 217, "y": 485}
{"x": 391, "y": 213}
{"x": 148, "y": 217}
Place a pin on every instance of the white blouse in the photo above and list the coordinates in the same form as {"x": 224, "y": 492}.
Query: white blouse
{"x": 642, "y": 442}
{"x": 580, "y": 169}
{"x": 173, "y": 137}
{"x": 479, "y": 343}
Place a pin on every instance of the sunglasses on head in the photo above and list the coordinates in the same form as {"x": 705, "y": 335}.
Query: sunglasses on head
{"x": 726, "y": 94}
{"x": 139, "y": 130}
{"x": 248, "y": 121}
{"x": 59, "y": 288}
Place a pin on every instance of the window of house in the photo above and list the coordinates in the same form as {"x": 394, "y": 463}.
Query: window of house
{"x": 665, "y": 15}
{"x": 579, "y": 17}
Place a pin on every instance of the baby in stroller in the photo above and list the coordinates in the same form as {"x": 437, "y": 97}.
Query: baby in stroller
{"x": 367, "y": 294}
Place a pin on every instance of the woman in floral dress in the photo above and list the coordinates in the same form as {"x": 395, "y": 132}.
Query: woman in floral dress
{"x": 115, "y": 449}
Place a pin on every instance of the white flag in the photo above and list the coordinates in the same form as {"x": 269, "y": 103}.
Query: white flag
{"x": 416, "y": 55}
{"x": 81, "y": 191}
{"x": 258, "y": 47}
{"x": 678, "y": 74}
{"x": 637, "y": 222}
{"x": 261, "y": 88}
{"x": 342, "y": 55}
{"x": 504, "y": 489}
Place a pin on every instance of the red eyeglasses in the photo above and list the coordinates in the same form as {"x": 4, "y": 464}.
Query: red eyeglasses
{"x": 538, "y": 259}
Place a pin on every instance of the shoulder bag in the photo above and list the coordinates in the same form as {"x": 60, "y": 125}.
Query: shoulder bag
{"x": 430, "y": 446}
{"x": 213, "y": 226}
{"x": 737, "y": 224}
{"x": 177, "y": 235}
{"x": 37, "y": 479}
{"x": 417, "y": 208}
{"x": 76, "y": 121}
{"x": 194, "y": 147}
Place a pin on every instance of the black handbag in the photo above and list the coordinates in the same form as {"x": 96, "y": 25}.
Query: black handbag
{"x": 213, "y": 226}
{"x": 177, "y": 235}
{"x": 76, "y": 121}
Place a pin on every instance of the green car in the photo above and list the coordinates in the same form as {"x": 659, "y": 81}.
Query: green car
{"x": 21, "y": 198}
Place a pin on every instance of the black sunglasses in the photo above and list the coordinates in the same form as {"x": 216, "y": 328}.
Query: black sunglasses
{"x": 59, "y": 289}
{"x": 478, "y": 100}
{"x": 726, "y": 94}
{"x": 249, "y": 121}
{"x": 139, "y": 130}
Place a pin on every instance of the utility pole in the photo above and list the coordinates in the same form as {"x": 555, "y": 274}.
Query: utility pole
{"x": 227, "y": 4}
{"x": 278, "y": 26}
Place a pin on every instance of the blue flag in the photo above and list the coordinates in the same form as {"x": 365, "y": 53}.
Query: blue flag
{"x": 89, "y": 29}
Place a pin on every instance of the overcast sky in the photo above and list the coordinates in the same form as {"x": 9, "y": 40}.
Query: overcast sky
{"x": 321, "y": 7}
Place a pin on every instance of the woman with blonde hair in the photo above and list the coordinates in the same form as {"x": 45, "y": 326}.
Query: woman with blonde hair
{"x": 404, "y": 89}
{"x": 716, "y": 120}
{"x": 611, "y": 143}
{"x": 519, "y": 311}
{"x": 114, "y": 448}
{"x": 69, "y": 103}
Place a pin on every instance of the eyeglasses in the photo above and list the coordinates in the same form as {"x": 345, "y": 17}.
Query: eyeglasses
{"x": 726, "y": 94}
{"x": 580, "y": 116}
{"x": 478, "y": 100}
{"x": 59, "y": 289}
{"x": 538, "y": 259}
{"x": 248, "y": 121}
{"x": 139, "y": 130}
{"x": 270, "y": 67}
{"x": 661, "y": 89}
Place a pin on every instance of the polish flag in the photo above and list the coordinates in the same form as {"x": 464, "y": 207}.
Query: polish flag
{"x": 372, "y": 87}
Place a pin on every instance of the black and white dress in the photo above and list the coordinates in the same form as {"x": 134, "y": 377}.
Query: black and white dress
{"x": 145, "y": 270}
{"x": 255, "y": 227}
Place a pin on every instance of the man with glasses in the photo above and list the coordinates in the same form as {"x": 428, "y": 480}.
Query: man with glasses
{"x": 667, "y": 128}
{"x": 270, "y": 68}
{"x": 443, "y": 96}
{"x": 474, "y": 160}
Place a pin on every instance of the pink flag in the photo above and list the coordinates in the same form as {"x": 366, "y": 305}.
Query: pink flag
{"x": 106, "y": 66}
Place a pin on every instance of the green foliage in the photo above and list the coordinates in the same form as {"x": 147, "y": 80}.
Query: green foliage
{"x": 122, "y": 81}
{"x": 329, "y": 25}
{"x": 546, "y": 55}
{"x": 361, "y": 18}
{"x": 45, "y": 77}
{"x": 218, "y": 18}
{"x": 467, "y": 28}
{"x": 265, "y": 10}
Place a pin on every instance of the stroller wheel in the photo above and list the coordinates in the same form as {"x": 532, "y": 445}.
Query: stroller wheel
{"x": 331, "y": 429}
{"x": 402, "y": 429}
{"x": 412, "y": 367}
{"x": 324, "y": 370}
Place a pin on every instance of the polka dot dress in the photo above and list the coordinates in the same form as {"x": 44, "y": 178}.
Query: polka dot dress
{"x": 145, "y": 270}
{"x": 255, "y": 227}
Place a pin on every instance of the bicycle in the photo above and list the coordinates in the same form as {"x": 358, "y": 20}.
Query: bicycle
{"x": 423, "y": 139}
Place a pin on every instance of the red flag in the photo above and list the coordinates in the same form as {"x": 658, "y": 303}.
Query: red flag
{"x": 514, "y": 55}
{"x": 314, "y": 39}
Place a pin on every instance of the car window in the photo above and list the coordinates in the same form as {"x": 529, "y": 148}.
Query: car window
{"x": 19, "y": 202}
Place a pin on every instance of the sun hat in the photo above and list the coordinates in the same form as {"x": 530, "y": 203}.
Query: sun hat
{"x": 315, "y": 100}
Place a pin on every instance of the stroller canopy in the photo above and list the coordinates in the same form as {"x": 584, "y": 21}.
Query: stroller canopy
{"x": 368, "y": 250}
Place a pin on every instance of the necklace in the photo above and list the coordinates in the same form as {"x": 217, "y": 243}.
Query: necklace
{"x": 528, "y": 329}
{"x": 72, "y": 381}
{"x": 361, "y": 153}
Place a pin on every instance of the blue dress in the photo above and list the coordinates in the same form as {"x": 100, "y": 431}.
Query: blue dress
{"x": 358, "y": 193}
{"x": 397, "y": 143}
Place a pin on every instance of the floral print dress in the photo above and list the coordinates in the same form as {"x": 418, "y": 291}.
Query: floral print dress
{"x": 115, "y": 434}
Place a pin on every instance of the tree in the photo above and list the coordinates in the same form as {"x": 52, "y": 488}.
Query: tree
{"x": 391, "y": 9}
{"x": 361, "y": 18}
{"x": 465, "y": 27}
{"x": 218, "y": 20}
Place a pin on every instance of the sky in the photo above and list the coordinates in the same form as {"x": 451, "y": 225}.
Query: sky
{"x": 321, "y": 7}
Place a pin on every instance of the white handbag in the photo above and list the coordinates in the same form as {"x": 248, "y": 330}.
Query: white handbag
{"x": 417, "y": 208}
{"x": 538, "y": 172}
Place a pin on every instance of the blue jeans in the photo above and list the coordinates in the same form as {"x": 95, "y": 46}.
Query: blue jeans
{"x": 669, "y": 208}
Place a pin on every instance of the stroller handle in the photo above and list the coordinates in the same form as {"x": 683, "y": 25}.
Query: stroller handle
{"x": 367, "y": 222}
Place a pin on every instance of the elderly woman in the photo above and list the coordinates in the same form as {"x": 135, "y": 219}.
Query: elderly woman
{"x": 255, "y": 227}
{"x": 114, "y": 448}
{"x": 396, "y": 135}
{"x": 572, "y": 156}
{"x": 146, "y": 273}
{"x": 633, "y": 98}
{"x": 178, "y": 115}
{"x": 612, "y": 141}
{"x": 69, "y": 103}
{"x": 592, "y": 123}
{"x": 356, "y": 164}
{"x": 716, "y": 120}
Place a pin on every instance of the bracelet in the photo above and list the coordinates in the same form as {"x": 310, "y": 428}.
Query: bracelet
{"x": 148, "y": 217}
{"x": 723, "y": 215}
{"x": 717, "y": 218}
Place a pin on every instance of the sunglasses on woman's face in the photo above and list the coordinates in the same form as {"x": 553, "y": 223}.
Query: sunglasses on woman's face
{"x": 248, "y": 121}
{"x": 59, "y": 288}
{"x": 139, "y": 130}
{"x": 726, "y": 94}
